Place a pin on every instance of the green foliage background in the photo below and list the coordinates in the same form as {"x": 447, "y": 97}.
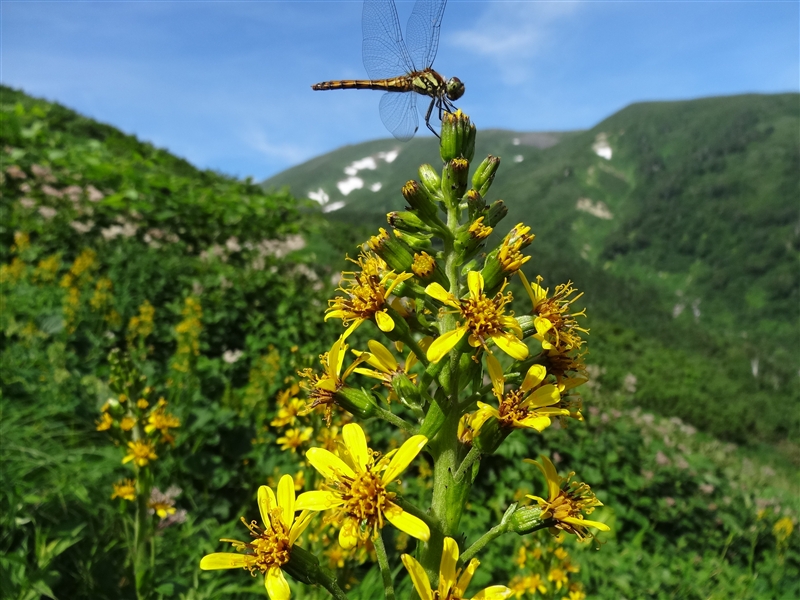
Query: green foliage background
{"x": 692, "y": 514}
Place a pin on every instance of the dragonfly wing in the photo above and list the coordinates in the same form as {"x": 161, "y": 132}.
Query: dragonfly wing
{"x": 399, "y": 114}
{"x": 422, "y": 31}
{"x": 383, "y": 50}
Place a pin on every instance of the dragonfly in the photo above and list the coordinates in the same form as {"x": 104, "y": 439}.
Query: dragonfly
{"x": 402, "y": 68}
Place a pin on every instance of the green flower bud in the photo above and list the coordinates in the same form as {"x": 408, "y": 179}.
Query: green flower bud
{"x": 484, "y": 174}
{"x": 405, "y": 389}
{"x": 407, "y": 221}
{"x": 458, "y": 137}
{"x": 357, "y": 402}
{"x": 431, "y": 182}
{"x": 392, "y": 250}
{"x": 526, "y": 519}
{"x": 526, "y": 323}
{"x": 415, "y": 241}
{"x": 421, "y": 199}
{"x": 490, "y": 436}
{"x": 495, "y": 213}
{"x": 475, "y": 204}
{"x": 454, "y": 184}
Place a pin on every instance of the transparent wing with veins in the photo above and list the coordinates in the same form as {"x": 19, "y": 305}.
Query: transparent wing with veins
{"x": 422, "y": 31}
{"x": 383, "y": 50}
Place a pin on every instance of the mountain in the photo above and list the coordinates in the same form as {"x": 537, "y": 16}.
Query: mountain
{"x": 678, "y": 219}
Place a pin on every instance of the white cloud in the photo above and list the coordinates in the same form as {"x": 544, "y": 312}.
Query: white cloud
{"x": 512, "y": 34}
{"x": 288, "y": 153}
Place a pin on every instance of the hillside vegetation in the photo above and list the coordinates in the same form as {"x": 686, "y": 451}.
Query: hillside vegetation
{"x": 216, "y": 289}
{"x": 680, "y": 221}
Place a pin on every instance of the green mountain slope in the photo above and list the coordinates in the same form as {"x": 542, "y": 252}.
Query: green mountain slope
{"x": 679, "y": 220}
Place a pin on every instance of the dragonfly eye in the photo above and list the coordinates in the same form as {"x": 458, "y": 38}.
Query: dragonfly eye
{"x": 454, "y": 88}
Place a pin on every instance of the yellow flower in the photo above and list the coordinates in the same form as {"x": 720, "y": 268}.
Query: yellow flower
{"x": 125, "y": 489}
{"x": 293, "y": 438}
{"x": 484, "y": 319}
{"x": 452, "y": 583}
{"x": 529, "y": 584}
{"x": 142, "y": 403}
{"x": 423, "y": 265}
{"x": 556, "y": 328}
{"x": 127, "y": 423}
{"x": 558, "y": 577}
{"x": 322, "y": 388}
{"x": 782, "y": 529}
{"x": 575, "y": 593}
{"x": 287, "y": 414}
{"x": 384, "y": 365}
{"x": 567, "y": 501}
{"x": 272, "y": 546}
{"x": 358, "y": 489}
{"x": 162, "y": 421}
{"x": 509, "y": 255}
{"x": 529, "y": 406}
{"x": 367, "y": 293}
{"x": 140, "y": 452}
{"x": 105, "y": 422}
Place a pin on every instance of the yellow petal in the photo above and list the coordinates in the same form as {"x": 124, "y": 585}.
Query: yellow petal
{"x": 400, "y": 278}
{"x": 407, "y": 452}
{"x": 544, "y": 396}
{"x": 224, "y": 560}
{"x": 371, "y": 373}
{"x": 533, "y": 377}
{"x": 447, "y": 568}
{"x": 542, "y": 325}
{"x": 418, "y": 577}
{"x": 286, "y": 499}
{"x": 384, "y": 321}
{"x": 550, "y": 474}
{"x": 300, "y": 524}
{"x": 539, "y": 423}
{"x": 356, "y": 443}
{"x": 585, "y": 523}
{"x": 318, "y": 500}
{"x": 407, "y": 522}
{"x": 435, "y": 290}
{"x": 466, "y": 576}
{"x": 266, "y": 502}
{"x": 527, "y": 287}
{"x": 276, "y": 584}
{"x": 512, "y": 346}
{"x": 328, "y": 464}
{"x": 348, "y": 534}
{"x": 381, "y": 353}
{"x": 334, "y": 314}
{"x": 496, "y": 375}
{"x": 327, "y": 384}
{"x": 444, "y": 343}
{"x": 495, "y": 592}
{"x": 475, "y": 284}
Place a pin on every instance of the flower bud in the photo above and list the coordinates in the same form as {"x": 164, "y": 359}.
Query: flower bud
{"x": 458, "y": 137}
{"x": 526, "y": 519}
{"x": 415, "y": 241}
{"x": 421, "y": 199}
{"x": 431, "y": 182}
{"x": 490, "y": 436}
{"x": 357, "y": 402}
{"x": 393, "y": 251}
{"x": 405, "y": 389}
{"x": 484, "y": 174}
{"x": 454, "y": 184}
{"x": 475, "y": 204}
{"x": 495, "y": 213}
{"x": 407, "y": 221}
{"x": 427, "y": 269}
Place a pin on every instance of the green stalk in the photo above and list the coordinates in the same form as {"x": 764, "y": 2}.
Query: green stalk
{"x": 383, "y": 563}
{"x": 491, "y": 535}
{"x": 466, "y": 464}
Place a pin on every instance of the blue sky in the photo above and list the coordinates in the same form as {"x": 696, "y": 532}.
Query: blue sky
{"x": 227, "y": 84}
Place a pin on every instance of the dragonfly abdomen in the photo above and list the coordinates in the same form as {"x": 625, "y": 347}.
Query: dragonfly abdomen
{"x": 396, "y": 84}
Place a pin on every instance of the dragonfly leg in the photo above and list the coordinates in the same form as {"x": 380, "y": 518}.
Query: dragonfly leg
{"x": 428, "y": 116}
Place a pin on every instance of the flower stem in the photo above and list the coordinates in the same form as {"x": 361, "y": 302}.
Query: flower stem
{"x": 383, "y": 563}
{"x": 392, "y": 418}
{"x": 328, "y": 581}
{"x": 494, "y": 533}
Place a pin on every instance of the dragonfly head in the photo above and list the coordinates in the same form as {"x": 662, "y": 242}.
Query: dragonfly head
{"x": 454, "y": 88}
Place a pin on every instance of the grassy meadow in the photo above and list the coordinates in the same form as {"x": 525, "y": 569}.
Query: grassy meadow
{"x": 215, "y": 290}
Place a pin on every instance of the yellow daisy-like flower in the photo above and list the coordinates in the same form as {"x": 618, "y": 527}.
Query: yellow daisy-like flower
{"x": 559, "y": 577}
{"x": 384, "y": 365}
{"x": 567, "y": 501}
{"x": 484, "y": 319}
{"x": 367, "y": 293}
{"x": 140, "y": 453}
{"x": 322, "y": 388}
{"x": 105, "y": 422}
{"x": 529, "y": 406}
{"x": 293, "y": 438}
{"x": 162, "y": 421}
{"x": 556, "y": 328}
{"x": 272, "y": 546}
{"x": 127, "y": 423}
{"x": 510, "y": 254}
{"x": 452, "y": 583}
{"x": 528, "y": 584}
{"x": 288, "y": 413}
{"x": 125, "y": 489}
{"x": 358, "y": 489}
